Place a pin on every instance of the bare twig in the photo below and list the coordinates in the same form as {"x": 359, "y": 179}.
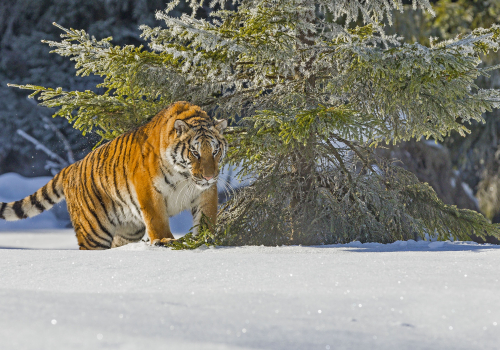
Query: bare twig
{"x": 69, "y": 152}
{"x": 40, "y": 146}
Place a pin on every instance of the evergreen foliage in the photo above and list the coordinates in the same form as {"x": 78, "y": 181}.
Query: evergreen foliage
{"x": 313, "y": 95}
{"x": 476, "y": 158}
{"x": 206, "y": 236}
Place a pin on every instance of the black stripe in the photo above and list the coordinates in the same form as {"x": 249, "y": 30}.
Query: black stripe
{"x": 176, "y": 148}
{"x": 4, "y": 205}
{"x": 96, "y": 192}
{"x": 101, "y": 180}
{"x": 85, "y": 244}
{"x": 82, "y": 193}
{"x": 103, "y": 157}
{"x": 167, "y": 181}
{"x": 191, "y": 117}
{"x": 94, "y": 188}
{"x": 85, "y": 236}
{"x": 114, "y": 174}
{"x": 54, "y": 182}
{"x": 46, "y": 196}
{"x": 117, "y": 190}
{"x": 139, "y": 232}
{"x": 105, "y": 175}
{"x": 89, "y": 246}
{"x": 95, "y": 243}
{"x": 84, "y": 201}
{"x": 183, "y": 150}
{"x": 132, "y": 199}
{"x": 114, "y": 165}
{"x": 101, "y": 226}
{"x": 18, "y": 209}
{"x": 80, "y": 232}
{"x": 89, "y": 197}
{"x": 81, "y": 179}
{"x": 194, "y": 211}
{"x": 36, "y": 203}
{"x": 136, "y": 235}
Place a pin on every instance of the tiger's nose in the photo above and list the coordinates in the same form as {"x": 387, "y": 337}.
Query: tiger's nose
{"x": 207, "y": 177}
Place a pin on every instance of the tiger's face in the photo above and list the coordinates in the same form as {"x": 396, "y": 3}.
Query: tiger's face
{"x": 198, "y": 150}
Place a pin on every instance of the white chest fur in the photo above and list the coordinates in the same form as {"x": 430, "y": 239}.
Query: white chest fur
{"x": 180, "y": 192}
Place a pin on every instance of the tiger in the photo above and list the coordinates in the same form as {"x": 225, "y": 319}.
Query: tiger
{"x": 129, "y": 187}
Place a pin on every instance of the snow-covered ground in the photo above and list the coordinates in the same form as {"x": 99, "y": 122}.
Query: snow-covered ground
{"x": 406, "y": 295}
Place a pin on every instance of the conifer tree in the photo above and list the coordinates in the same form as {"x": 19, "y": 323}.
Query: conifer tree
{"x": 312, "y": 97}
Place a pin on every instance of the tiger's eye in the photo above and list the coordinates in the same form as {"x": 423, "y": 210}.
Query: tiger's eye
{"x": 216, "y": 151}
{"x": 196, "y": 154}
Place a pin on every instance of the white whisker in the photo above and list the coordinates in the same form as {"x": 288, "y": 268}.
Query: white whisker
{"x": 182, "y": 189}
{"x": 227, "y": 188}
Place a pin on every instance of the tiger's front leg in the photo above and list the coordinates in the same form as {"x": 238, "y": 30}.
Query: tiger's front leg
{"x": 154, "y": 213}
{"x": 207, "y": 205}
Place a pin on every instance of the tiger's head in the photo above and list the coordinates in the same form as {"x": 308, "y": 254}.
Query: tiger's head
{"x": 198, "y": 146}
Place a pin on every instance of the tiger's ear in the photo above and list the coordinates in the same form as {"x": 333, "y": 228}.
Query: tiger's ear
{"x": 180, "y": 127}
{"x": 221, "y": 125}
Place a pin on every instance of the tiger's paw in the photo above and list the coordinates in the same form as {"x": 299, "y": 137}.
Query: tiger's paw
{"x": 162, "y": 242}
{"x": 166, "y": 241}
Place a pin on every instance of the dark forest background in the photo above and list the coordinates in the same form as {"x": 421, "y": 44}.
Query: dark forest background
{"x": 463, "y": 171}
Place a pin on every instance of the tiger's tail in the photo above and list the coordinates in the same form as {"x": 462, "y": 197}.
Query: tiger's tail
{"x": 43, "y": 199}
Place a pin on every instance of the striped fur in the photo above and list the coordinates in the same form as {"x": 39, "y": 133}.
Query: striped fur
{"x": 38, "y": 202}
{"x": 133, "y": 184}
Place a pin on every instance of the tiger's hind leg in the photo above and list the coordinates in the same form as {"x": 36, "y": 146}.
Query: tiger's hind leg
{"x": 119, "y": 241}
{"x": 88, "y": 241}
{"x": 89, "y": 237}
{"x": 127, "y": 234}
{"x": 91, "y": 240}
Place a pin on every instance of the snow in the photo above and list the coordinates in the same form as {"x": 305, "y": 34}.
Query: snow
{"x": 405, "y": 295}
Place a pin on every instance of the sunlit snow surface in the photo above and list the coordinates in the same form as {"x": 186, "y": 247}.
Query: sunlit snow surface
{"x": 406, "y": 295}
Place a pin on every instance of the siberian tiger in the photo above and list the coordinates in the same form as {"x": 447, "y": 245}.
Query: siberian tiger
{"x": 133, "y": 184}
